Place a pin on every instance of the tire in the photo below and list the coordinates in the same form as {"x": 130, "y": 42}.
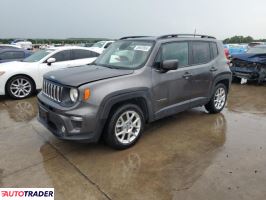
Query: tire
{"x": 20, "y": 87}
{"x": 122, "y": 133}
{"x": 218, "y": 100}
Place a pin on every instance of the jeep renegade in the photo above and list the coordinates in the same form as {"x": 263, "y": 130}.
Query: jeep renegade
{"x": 137, "y": 80}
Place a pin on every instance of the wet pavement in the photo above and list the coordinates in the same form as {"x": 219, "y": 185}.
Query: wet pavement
{"x": 192, "y": 155}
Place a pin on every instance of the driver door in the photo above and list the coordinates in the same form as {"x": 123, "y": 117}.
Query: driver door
{"x": 170, "y": 88}
{"x": 63, "y": 60}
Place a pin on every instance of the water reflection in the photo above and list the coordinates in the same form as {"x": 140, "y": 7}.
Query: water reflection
{"x": 171, "y": 156}
{"x": 18, "y": 110}
{"x": 247, "y": 99}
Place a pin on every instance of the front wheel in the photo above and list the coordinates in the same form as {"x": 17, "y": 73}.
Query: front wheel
{"x": 218, "y": 100}
{"x": 20, "y": 87}
{"x": 124, "y": 127}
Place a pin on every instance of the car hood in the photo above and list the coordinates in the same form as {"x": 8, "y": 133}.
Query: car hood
{"x": 257, "y": 58}
{"x": 77, "y": 76}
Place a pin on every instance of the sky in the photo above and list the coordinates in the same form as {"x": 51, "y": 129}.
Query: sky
{"x": 116, "y": 18}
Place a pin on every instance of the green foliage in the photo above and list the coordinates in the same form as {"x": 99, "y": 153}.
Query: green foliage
{"x": 242, "y": 39}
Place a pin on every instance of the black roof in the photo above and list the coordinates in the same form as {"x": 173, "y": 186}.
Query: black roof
{"x": 169, "y": 36}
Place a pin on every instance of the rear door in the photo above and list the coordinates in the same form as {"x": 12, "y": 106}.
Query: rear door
{"x": 199, "y": 71}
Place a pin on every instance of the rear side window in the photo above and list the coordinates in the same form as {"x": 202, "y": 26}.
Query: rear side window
{"x": 175, "y": 50}
{"x": 62, "y": 56}
{"x": 9, "y": 55}
{"x": 81, "y": 54}
{"x": 214, "y": 49}
{"x": 201, "y": 52}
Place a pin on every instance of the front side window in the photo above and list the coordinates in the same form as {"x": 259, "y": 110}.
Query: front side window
{"x": 62, "y": 56}
{"x": 125, "y": 54}
{"x": 201, "y": 52}
{"x": 37, "y": 56}
{"x": 175, "y": 51}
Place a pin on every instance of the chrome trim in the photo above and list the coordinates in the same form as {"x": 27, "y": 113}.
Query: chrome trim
{"x": 52, "y": 91}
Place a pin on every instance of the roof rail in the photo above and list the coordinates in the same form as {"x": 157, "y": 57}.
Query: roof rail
{"x": 184, "y": 35}
{"x": 128, "y": 37}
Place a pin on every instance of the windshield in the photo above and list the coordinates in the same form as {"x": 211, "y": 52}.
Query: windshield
{"x": 125, "y": 54}
{"x": 257, "y": 50}
{"x": 37, "y": 56}
{"x": 99, "y": 44}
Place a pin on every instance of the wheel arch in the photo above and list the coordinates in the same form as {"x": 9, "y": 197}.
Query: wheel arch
{"x": 225, "y": 79}
{"x": 140, "y": 98}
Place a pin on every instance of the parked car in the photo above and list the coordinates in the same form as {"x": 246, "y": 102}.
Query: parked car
{"x": 236, "y": 48}
{"x": 21, "y": 79}
{"x": 23, "y": 44}
{"x": 251, "y": 65}
{"x": 13, "y": 54}
{"x": 253, "y": 44}
{"x": 4, "y": 46}
{"x": 135, "y": 81}
{"x": 101, "y": 46}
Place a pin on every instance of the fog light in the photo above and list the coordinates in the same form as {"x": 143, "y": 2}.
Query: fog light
{"x": 63, "y": 129}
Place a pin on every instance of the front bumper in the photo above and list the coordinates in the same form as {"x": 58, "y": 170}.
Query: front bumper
{"x": 2, "y": 86}
{"x": 73, "y": 124}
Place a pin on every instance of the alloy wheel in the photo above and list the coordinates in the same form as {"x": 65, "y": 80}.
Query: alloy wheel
{"x": 219, "y": 98}
{"x": 20, "y": 88}
{"x": 128, "y": 127}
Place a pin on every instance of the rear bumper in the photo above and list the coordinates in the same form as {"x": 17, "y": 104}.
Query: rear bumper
{"x": 247, "y": 73}
{"x": 69, "y": 125}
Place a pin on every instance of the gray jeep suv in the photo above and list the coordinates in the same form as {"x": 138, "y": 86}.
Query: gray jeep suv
{"x": 137, "y": 80}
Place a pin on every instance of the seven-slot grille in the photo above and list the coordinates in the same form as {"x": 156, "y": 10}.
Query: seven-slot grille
{"x": 52, "y": 91}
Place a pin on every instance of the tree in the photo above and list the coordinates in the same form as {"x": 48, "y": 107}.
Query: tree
{"x": 238, "y": 39}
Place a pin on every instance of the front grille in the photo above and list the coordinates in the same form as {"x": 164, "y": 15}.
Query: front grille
{"x": 52, "y": 90}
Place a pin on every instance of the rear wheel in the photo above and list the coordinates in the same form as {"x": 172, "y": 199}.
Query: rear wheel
{"x": 218, "y": 100}
{"x": 124, "y": 127}
{"x": 20, "y": 87}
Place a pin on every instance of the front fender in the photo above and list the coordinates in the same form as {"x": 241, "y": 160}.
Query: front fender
{"x": 125, "y": 95}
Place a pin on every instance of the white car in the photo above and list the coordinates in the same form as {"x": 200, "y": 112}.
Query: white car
{"x": 10, "y": 46}
{"x": 21, "y": 79}
{"x": 24, "y": 44}
{"x": 101, "y": 46}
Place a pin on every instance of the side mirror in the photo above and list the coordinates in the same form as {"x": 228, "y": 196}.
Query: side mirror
{"x": 50, "y": 61}
{"x": 168, "y": 65}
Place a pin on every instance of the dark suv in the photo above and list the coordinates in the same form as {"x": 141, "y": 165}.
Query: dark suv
{"x": 135, "y": 81}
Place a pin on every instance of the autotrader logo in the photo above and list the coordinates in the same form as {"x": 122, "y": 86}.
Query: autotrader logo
{"x": 26, "y": 193}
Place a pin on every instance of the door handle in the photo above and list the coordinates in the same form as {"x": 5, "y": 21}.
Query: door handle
{"x": 213, "y": 69}
{"x": 187, "y": 75}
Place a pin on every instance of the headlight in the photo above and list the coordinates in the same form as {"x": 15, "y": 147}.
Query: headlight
{"x": 1, "y": 73}
{"x": 74, "y": 94}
